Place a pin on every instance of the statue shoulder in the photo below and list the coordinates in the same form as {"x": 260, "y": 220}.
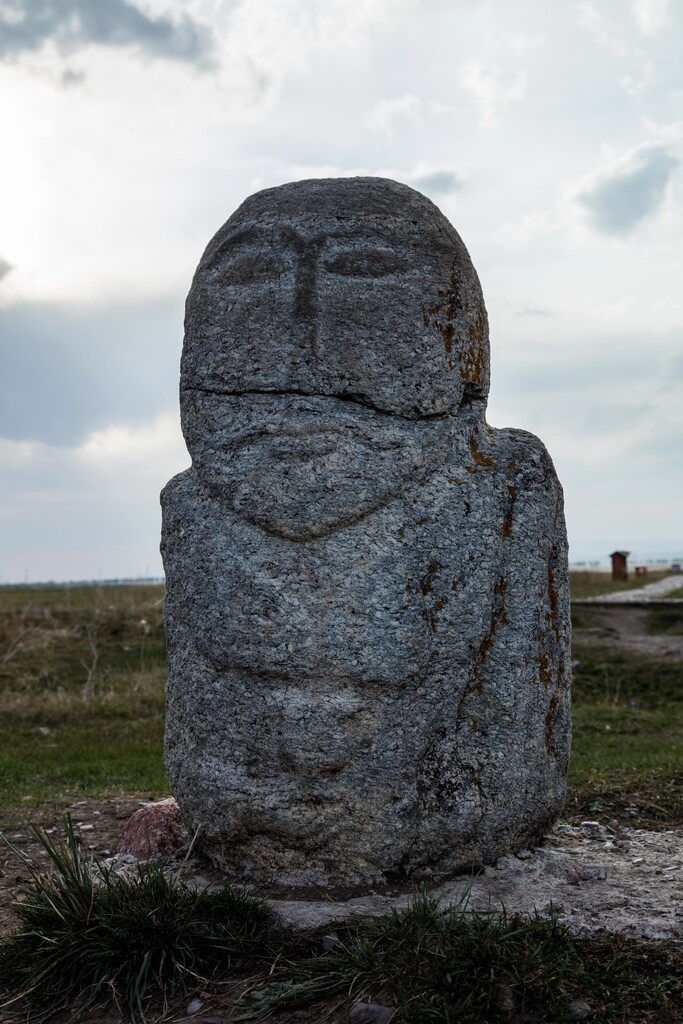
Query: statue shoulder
{"x": 522, "y": 452}
{"x": 178, "y": 490}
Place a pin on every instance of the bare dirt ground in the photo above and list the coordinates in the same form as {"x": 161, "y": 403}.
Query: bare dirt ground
{"x": 624, "y": 626}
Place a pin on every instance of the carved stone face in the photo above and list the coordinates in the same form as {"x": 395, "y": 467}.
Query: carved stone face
{"x": 333, "y": 330}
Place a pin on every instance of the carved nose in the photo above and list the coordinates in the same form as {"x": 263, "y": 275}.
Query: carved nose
{"x": 305, "y": 304}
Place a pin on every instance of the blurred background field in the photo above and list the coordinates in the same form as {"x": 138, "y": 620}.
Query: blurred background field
{"x": 82, "y": 673}
{"x": 594, "y": 583}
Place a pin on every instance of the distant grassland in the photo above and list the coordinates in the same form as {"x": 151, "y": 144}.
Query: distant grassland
{"x": 82, "y": 673}
{"x": 586, "y": 583}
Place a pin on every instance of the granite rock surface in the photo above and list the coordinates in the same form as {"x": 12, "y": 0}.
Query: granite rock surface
{"x": 367, "y": 602}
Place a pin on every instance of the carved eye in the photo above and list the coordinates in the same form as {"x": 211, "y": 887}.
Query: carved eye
{"x": 255, "y": 268}
{"x": 366, "y": 263}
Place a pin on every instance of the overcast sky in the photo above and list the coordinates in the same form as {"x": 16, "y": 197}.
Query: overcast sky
{"x": 549, "y": 133}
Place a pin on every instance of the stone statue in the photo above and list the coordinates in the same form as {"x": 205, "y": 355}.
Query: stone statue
{"x": 367, "y": 601}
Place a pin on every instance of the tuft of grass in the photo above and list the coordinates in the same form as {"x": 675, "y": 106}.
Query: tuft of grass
{"x": 125, "y": 941}
{"x": 466, "y": 967}
{"x": 138, "y": 942}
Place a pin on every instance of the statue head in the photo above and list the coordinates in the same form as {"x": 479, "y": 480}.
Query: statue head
{"x": 329, "y": 316}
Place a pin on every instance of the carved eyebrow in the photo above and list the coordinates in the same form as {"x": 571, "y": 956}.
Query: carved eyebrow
{"x": 249, "y": 234}
{"x": 367, "y": 261}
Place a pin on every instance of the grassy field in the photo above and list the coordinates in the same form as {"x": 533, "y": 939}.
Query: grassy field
{"x": 587, "y": 583}
{"x": 81, "y": 716}
{"x": 81, "y": 705}
{"x": 82, "y": 676}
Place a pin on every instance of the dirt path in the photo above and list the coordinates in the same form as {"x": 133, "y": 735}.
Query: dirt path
{"x": 625, "y": 627}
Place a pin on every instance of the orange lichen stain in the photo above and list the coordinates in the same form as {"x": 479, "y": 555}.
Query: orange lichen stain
{"x": 479, "y": 458}
{"x": 474, "y": 724}
{"x": 485, "y": 647}
{"x": 477, "y": 330}
{"x": 447, "y": 332}
{"x": 421, "y": 522}
{"x": 553, "y": 597}
{"x": 550, "y": 724}
{"x": 401, "y": 533}
{"x": 544, "y": 673}
{"x": 425, "y": 584}
{"x": 473, "y": 356}
{"x": 512, "y": 465}
{"x": 454, "y": 585}
{"x": 499, "y": 617}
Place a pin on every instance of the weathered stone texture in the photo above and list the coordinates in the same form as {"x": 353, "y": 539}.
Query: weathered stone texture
{"x": 367, "y": 598}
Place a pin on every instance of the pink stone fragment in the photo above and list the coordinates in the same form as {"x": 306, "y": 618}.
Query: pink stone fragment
{"x": 155, "y": 830}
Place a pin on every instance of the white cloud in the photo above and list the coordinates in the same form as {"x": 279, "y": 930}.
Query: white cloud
{"x": 650, "y": 15}
{"x": 493, "y": 95}
{"x": 517, "y": 235}
{"x": 604, "y": 32}
{"x": 158, "y": 443}
{"x": 635, "y": 84}
{"x": 671, "y": 131}
{"x": 616, "y": 198}
{"x": 276, "y": 39}
{"x": 386, "y": 112}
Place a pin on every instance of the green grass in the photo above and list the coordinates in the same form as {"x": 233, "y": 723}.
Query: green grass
{"x": 627, "y": 745}
{"x": 82, "y": 675}
{"x": 667, "y": 620}
{"x": 125, "y": 941}
{"x": 81, "y": 715}
{"x": 608, "y": 674}
{"x": 457, "y": 967}
{"x": 140, "y": 942}
{"x": 88, "y": 751}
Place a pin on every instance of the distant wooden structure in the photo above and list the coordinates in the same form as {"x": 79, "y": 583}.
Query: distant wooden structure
{"x": 641, "y": 570}
{"x": 619, "y": 570}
